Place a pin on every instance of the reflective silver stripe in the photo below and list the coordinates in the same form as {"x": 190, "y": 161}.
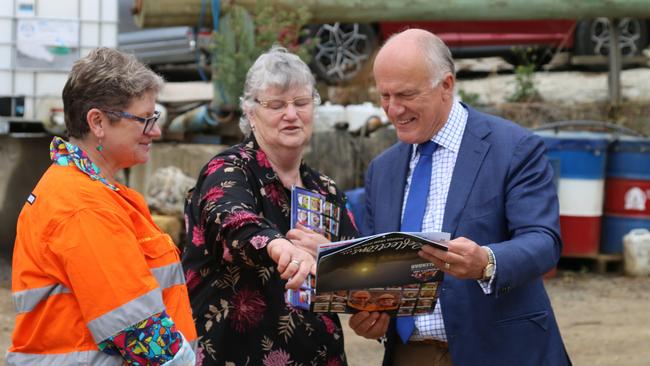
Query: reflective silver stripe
{"x": 26, "y": 300}
{"x": 194, "y": 344}
{"x": 169, "y": 275}
{"x": 126, "y": 315}
{"x": 85, "y": 358}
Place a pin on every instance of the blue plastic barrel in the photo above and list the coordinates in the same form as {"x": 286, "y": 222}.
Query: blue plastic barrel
{"x": 581, "y": 157}
{"x": 627, "y": 191}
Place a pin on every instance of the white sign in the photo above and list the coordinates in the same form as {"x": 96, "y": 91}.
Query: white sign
{"x": 56, "y": 33}
{"x": 635, "y": 199}
{"x": 41, "y": 40}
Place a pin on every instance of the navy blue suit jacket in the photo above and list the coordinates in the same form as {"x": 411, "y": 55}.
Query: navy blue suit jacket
{"x": 501, "y": 195}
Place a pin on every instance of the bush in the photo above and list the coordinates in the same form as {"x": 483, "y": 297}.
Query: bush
{"x": 525, "y": 90}
{"x": 242, "y": 38}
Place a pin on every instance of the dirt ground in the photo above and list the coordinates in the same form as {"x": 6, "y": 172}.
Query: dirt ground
{"x": 604, "y": 320}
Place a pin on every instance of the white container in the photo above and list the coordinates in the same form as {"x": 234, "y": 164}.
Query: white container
{"x": 358, "y": 114}
{"x": 39, "y": 42}
{"x": 636, "y": 252}
{"x": 327, "y": 115}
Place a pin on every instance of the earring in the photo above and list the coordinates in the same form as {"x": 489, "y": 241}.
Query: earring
{"x": 100, "y": 147}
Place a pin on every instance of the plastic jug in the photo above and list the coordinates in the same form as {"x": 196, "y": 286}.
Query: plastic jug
{"x": 636, "y": 252}
{"x": 327, "y": 115}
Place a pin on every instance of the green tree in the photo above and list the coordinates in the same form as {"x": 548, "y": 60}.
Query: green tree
{"x": 242, "y": 37}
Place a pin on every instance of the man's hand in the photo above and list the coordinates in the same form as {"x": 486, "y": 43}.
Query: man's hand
{"x": 294, "y": 263}
{"x": 465, "y": 259}
{"x": 306, "y": 239}
{"x": 369, "y": 325}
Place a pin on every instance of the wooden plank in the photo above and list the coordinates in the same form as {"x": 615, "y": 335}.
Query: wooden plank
{"x": 598, "y": 263}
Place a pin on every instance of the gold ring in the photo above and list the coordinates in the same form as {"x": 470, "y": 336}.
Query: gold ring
{"x": 293, "y": 261}
{"x": 447, "y": 265}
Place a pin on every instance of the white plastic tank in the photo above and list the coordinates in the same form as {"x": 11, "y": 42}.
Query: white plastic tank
{"x": 39, "y": 42}
{"x": 636, "y": 252}
{"x": 327, "y": 115}
{"x": 358, "y": 114}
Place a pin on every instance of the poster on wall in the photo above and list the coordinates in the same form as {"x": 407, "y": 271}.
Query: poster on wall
{"x": 46, "y": 43}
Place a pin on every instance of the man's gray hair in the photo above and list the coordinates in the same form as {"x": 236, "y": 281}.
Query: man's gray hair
{"x": 438, "y": 57}
{"x": 277, "y": 68}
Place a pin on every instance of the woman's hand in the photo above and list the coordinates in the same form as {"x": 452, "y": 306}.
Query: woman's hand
{"x": 294, "y": 263}
{"x": 306, "y": 239}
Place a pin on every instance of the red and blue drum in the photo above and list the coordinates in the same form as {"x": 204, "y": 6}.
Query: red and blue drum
{"x": 627, "y": 191}
{"x": 581, "y": 160}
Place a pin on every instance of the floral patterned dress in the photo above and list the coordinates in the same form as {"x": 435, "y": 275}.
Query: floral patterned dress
{"x": 237, "y": 295}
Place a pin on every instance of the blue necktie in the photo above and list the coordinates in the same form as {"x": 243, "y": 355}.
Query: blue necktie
{"x": 416, "y": 203}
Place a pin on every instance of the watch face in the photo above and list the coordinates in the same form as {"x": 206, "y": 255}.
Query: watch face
{"x": 488, "y": 272}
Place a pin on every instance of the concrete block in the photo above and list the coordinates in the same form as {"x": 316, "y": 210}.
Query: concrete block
{"x": 190, "y": 158}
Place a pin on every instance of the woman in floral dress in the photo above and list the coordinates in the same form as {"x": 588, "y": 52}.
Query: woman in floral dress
{"x": 240, "y": 254}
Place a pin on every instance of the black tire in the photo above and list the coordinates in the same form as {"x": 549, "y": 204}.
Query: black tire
{"x": 592, "y": 37}
{"x": 342, "y": 50}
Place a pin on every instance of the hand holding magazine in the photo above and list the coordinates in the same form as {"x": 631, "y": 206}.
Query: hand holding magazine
{"x": 378, "y": 273}
{"x": 375, "y": 273}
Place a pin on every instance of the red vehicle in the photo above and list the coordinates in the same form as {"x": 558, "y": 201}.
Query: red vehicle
{"x": 344, "y": 48}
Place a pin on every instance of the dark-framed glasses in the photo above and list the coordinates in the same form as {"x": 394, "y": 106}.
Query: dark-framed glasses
{"x": 147, "y": 121}
{"x": 278, "y": 105}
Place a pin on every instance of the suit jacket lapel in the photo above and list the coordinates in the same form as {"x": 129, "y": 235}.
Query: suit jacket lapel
{"x": 473, "y": 149}
{"x": 392, "y": 194}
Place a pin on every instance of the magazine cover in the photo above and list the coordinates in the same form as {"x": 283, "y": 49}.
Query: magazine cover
{"x": 312, "y": 210}
{"x": 378, "y": 273}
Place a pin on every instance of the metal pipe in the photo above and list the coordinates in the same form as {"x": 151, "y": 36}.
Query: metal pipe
{"x": 158, "y": 13}
{"x": 615, "y": 57}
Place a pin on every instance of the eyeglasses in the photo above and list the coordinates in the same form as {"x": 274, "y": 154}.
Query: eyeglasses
{"x": 148, "y": 121}
{"x": 278, "y": 105}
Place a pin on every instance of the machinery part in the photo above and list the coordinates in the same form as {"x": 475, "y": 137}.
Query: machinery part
{"x": 592, "y": 37}
{"x": 341, "y": 50}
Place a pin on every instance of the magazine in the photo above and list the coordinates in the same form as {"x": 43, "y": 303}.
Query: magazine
{"x": 379, "y": 273}
{"x": 375, "y": 273}
{"x": 312, "y": 210}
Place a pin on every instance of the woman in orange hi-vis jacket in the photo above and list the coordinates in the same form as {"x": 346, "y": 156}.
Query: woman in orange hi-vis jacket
{"x": 95, "y": 281}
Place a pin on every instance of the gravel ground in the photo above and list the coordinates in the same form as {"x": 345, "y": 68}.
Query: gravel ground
{"x": 603, "y": 319}
{"x": 565, "y": 87}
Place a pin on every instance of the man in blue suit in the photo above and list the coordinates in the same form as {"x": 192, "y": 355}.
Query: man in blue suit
{"x": 487, "y": 183}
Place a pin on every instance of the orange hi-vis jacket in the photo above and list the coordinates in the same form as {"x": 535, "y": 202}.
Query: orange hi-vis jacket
{"x": 89, "y": 262}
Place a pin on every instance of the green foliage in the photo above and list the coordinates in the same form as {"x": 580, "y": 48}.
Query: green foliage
{"x": 525, "y": 89}
{"x": 242, "y": 38}
{"x": 469, "y": 97}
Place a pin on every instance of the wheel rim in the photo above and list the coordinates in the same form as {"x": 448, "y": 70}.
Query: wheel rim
{"x": 630, "y": 33}
{"x": 342, "y": 50}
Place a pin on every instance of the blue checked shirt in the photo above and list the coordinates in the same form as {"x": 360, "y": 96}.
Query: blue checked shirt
{"x": 443, "y": 161}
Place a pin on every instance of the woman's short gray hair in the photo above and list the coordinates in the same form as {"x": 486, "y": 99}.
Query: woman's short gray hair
{"x": 276, "y": 68}
{"x": 106, "y": 79}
